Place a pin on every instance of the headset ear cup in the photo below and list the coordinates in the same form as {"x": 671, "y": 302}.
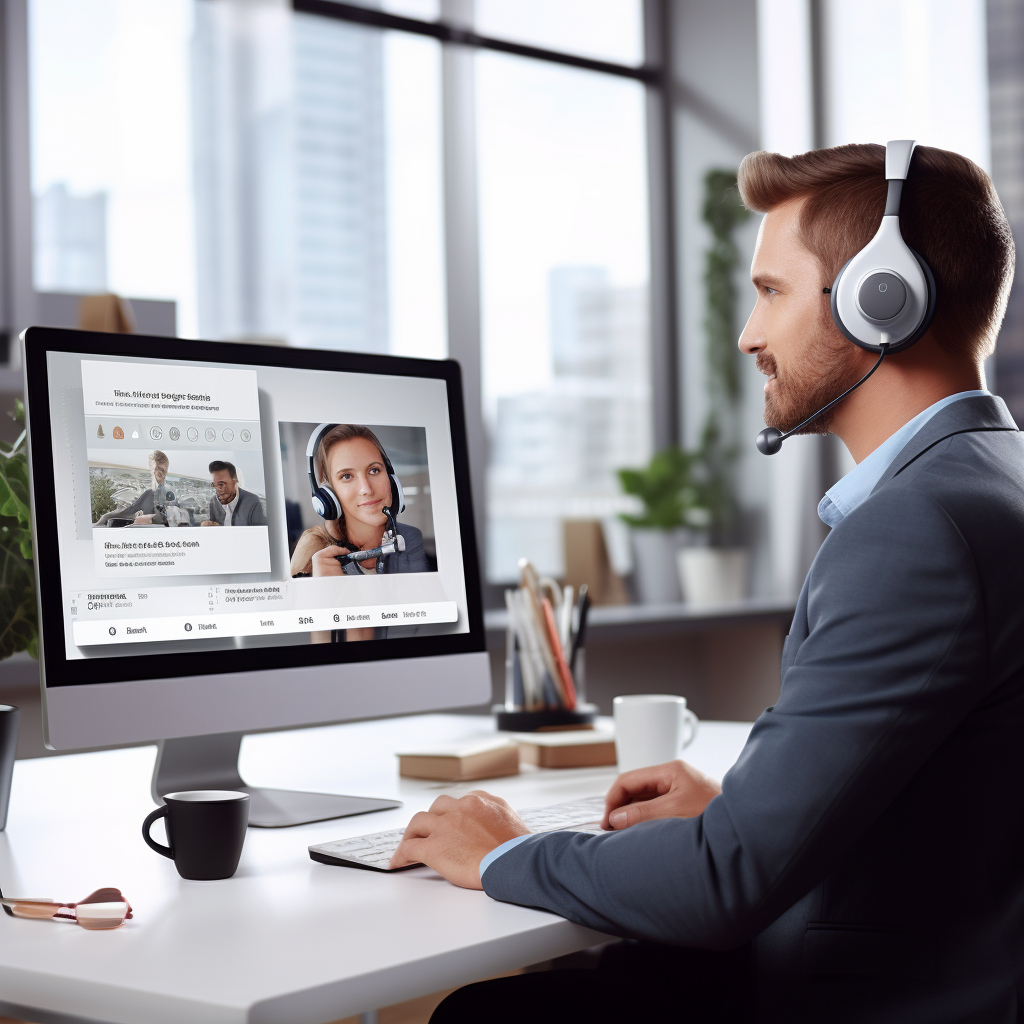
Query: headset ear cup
{"x": 926, "y": 321}
{"x": 328, "y": 501}
{"x": 834, "y": 303}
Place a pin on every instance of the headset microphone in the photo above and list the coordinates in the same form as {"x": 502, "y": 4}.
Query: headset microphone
{"x": 769, "y": 441}
{"x": 883, "y": 299}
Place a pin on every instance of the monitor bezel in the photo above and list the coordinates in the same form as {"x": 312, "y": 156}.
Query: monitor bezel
{"x": 59, "y": 671}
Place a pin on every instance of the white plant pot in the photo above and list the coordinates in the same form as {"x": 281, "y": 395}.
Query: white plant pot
{"x": 712, "y": 576}
{"x": 654, "y": 564}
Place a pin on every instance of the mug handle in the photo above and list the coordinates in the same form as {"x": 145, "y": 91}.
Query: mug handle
{"x": 691, "y": 723}
{"x": 160, "y": 812}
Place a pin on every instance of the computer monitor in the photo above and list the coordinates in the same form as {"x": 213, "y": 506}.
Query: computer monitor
{"x": 232, "y": 538}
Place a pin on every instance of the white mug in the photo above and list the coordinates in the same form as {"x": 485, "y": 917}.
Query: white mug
{"x": 651, "y": 728}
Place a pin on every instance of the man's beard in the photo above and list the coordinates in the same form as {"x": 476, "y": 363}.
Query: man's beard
{"x": 824, "y": 375}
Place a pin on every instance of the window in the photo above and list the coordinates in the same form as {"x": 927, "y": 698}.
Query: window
{"x": 609, "y": 30}
{"x": 278, "y": 177}
{"x": 564, "y": 289}
{"x": 111, "y": 149}
{"x": 278, "y": 172}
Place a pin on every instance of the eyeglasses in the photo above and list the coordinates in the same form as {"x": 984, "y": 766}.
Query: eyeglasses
{"x": 99, "y": 911}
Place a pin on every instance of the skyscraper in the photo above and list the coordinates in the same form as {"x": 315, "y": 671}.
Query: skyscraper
{"x": 288, "y": 117}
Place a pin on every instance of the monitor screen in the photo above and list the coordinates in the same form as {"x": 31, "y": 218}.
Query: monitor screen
{"x": 206, "y": 508}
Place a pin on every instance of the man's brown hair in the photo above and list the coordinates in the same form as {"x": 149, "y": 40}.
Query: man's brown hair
{"x": 950, "y": 214}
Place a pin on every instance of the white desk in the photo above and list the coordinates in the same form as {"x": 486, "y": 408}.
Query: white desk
{"x": 286, "y": 940}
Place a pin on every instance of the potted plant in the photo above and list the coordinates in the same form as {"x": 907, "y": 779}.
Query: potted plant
{"x": 714, "y": 570}
{"x": 19, "y": 629}
{"x": 672, "y": 504}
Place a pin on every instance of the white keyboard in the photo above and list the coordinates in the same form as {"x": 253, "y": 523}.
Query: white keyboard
{"x": 375, "y": 851}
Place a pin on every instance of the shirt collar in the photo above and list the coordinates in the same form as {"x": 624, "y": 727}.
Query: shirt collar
{"x": 850, "y": 492}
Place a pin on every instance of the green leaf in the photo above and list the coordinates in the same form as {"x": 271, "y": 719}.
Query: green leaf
{"x": 19, "y": 628}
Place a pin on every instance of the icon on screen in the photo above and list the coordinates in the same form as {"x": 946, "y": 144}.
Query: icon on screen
{"x": 112, "y": 631}
{"x": 188, "y": 627}
{"x": 156, "y": 433}
{"x": 174, "y": 433}
{"x": 211, "y": 434}
{"x": 245, "y": 436}
{"x": 228, "y": 434}
{"x": 118, "y": 434}
{"x": 135, "y": 435}
{"x": 99, "y": 431}
{"x": 193, "y": 434}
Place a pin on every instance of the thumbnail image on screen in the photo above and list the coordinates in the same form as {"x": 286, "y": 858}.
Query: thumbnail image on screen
{"x": 375, "y": 490}
{"x": 138, "y": 488}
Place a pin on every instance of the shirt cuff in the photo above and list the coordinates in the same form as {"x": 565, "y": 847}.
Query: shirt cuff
{"x": 499, "y": 850}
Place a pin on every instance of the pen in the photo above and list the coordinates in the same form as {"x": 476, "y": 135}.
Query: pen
{"x": 582, "y": 610}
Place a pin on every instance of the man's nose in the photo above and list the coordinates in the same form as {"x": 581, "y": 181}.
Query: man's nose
{"x": 752, "y": 339}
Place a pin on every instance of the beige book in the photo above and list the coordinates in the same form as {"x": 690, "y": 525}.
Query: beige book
{"x": 577, "y": 749}
{"x": 462, "y": 761}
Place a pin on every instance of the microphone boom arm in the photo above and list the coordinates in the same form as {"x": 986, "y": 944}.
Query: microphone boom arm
{"x": 769, "y": 440}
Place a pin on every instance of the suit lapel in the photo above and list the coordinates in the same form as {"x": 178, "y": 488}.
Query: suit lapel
{"x": 965, "y": 416}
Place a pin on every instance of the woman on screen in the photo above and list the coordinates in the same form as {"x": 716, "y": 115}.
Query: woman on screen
{"x": 354, "y": 490}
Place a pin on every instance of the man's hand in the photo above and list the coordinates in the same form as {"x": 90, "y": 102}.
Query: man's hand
{"x": 325, "y": 561}
{"x": 672, "y": 790}
{"x": 209, "y": 522}
{"x": 455, "y": 835}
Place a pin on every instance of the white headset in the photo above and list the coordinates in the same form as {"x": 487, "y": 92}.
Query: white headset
{"x": 885, "y": 295}
{"x": 883, "y": 299}
{"x": 325, "y": 502}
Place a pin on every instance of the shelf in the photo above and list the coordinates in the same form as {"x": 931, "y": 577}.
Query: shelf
{"x": 676, "y": 614}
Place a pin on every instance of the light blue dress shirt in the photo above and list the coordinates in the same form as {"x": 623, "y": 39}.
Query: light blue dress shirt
{"x": 840, "y": 500}
{"x": 499, "y": 850}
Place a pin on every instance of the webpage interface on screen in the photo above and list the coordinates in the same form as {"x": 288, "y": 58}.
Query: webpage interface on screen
{"x": 186, "y": 518}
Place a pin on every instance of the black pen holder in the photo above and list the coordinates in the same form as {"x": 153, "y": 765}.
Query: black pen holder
{"x": 513, "y": 716}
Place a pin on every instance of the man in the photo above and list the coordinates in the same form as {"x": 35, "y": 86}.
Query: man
{"x": 232, "y": 505}
{"x": 864, "y": 858}
{"x": 144, "y": 507}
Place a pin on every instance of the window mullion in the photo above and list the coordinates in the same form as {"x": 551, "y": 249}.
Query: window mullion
{"x": 664, "y": 335}
{"x": 17, "y": 303}
{"x": 462, "y": 247}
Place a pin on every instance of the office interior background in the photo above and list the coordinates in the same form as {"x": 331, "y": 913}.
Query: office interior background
{"x": 515, "y": 184}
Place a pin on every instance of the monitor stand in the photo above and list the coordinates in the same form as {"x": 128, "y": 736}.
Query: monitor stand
{"x": 211, "y": 762}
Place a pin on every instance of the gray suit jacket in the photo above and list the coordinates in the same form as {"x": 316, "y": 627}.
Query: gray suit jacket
{"x": 248, "y": 511}
{"x": 869, "y": 842}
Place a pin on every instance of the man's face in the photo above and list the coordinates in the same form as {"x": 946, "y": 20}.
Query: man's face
{"x": 224, "y": 486}
{"x": 798, "y": 347}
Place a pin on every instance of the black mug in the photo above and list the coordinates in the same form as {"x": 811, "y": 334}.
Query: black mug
{"x": 205, "y": 830}
{"x": 8, "y": 748}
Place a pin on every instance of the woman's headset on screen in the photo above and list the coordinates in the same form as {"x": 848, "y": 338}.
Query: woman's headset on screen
{"x": 327, "y": 505}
